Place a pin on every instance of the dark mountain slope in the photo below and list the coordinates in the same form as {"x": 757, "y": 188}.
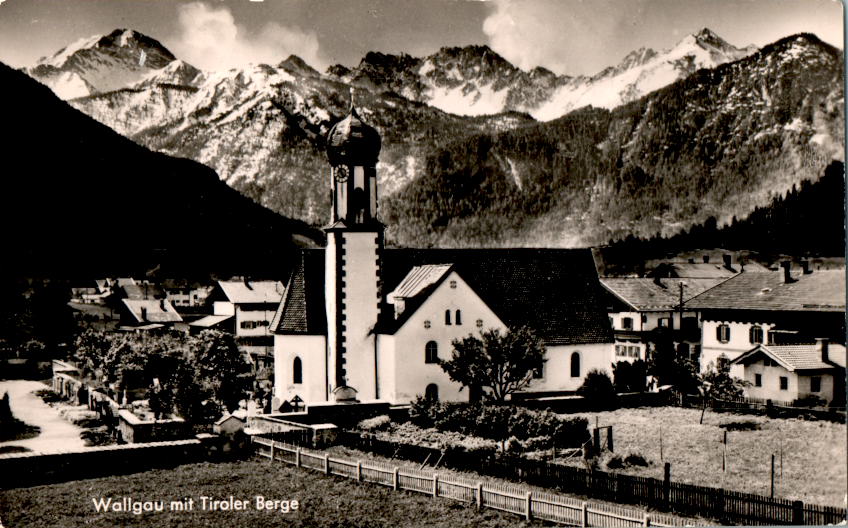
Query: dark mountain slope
{"x": 716, "y": 144}
{"x": 77, "y": 198}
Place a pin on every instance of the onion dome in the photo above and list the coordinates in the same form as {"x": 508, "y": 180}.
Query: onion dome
{"x": 352, "y": 142}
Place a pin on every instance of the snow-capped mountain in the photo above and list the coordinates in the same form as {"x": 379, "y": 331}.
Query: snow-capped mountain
{"x": 475, "y": 80}
{"x": 101, "y": 63}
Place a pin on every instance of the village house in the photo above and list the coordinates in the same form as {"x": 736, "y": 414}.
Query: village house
{"x": 770, "y": 308}
{"x": 638, "y": 306}
{"x": 147, "y": 314}
{"x": 359, "y": 322}
{"x": 787, "y": 373}
{"x": 246, "y": 308}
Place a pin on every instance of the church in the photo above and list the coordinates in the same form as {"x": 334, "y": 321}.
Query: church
{"x": 360, "y": 322}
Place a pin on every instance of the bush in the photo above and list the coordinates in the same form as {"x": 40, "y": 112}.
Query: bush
{"x": 810, "y": 400}
{"x": 632, "y": 459}
{"x": 499, "y": 422}
{"x": 377, "y": 423}
{"x": 598, "y": 390}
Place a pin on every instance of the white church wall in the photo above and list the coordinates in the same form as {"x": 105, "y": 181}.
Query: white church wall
{"x": 386, "y": 367}
{"x": 411, "y": 372}
{"x": 556, "y": 374}
{"x": 312, "y": 353}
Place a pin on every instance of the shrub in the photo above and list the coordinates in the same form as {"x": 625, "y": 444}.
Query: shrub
{"x": 48, "y": 396}
{"x": 634, "y": 459}
{"x": 598, "y": 390}
{"x": 377, "y": 423}
{"x": 810, "y": 400}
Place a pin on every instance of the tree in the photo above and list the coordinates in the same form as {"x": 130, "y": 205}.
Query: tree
{"x": 716, "y": 383}
{"x": 669, "y": 367}
{"x": 630, "y": 377}
{"x": 598, "y": 390}
{"x": 503, "y": 363}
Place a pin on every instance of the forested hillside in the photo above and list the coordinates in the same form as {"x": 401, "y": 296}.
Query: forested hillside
{"x": 716, "y": 144}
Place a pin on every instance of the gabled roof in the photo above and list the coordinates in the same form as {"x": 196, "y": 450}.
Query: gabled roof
{"x": 418, "y": 279}
{"x": 242, "y": 292}
{"x": 656, "y": 294}
{"x": 302, "y": 309}
{"x": 556, "y": 292}
{"x": 790, "y": 357}
{"x": 152, "y": 311}
{"x": 822, "y": 291}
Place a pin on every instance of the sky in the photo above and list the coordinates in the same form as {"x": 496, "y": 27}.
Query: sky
{"x": 566, "y": 36}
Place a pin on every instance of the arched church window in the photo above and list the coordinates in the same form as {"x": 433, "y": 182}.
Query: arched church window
{"x": 297, "y": 371}
{"x": 458, "y": 317}
{"x": 447, "y": 317}
{"x": 431, "y": 352}
{"x": 575, "y": 364}
{"x": 431, "y": 392}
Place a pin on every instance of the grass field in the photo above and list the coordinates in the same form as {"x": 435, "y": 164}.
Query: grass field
{"x": 323, "y": 501}
{"x": 813, "y": 461}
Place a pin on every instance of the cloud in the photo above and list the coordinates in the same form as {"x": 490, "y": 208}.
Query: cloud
{"x": 565, "y": 36}
{"x": 210, "y": 39}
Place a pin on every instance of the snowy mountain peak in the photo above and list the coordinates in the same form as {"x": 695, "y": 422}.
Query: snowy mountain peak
{"x": 295, "y": 64}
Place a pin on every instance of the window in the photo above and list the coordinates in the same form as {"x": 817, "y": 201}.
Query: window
{"x": 664, "y": 322}
{"x": 634, "y": 351}
{"x": 620, "y": 350}
{"x": 453, "y": 285}
{"x": 627, "y": 323}
{"x": 539, "y": 372}
{"x": 457, "y": 318}
{"x": 427, "y": 324}
{"x": 758, "y": 380}
{"x": 479, "y": 323}
{"x": 815, "y": 384}
{"x": 575, "y": 364}
{"x": 755, "y": 335}
{"x": 431, "y": 352}
{"x": 784, "y": 383}
{"x": 297, "y": 371}
{"x": 447, "y": 317}
{"x": 432, "y": 392}
{"x": 723, "y": 333}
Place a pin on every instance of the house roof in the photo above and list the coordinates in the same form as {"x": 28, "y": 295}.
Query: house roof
{"x": 418, "y": 279}
{"x": 554, "y": 291}
{"x": 302, "y": 309}
{"x": 152, "y": 311}
{"x": 656, "y": 294}
{"x": 822, "y": 291}
{"x": 252, "y": 291}
{"x": 790, "y": 357}
{"x": 210, "y": 321}
{"x": 694, "y": 270}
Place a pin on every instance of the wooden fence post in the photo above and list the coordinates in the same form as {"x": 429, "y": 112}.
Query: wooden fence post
{"x": 435, "y": 484}
{"x": 272, "y": 452}
{"x": 297, "y": 457}
{"x": 667, "y": 483}
{"x": 609, "y": 439}
{"x": 584, "y": 515}
{"x": 326, "y": 464}
{"x": 478, "y": 494}
{"x": 797, "y": 513}
{"x": 359, "y": 471}
{"x": 528, "y": 504}
{"x": 395, "y": 478}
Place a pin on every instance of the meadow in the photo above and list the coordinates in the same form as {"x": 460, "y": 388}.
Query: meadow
{"x": 323, "y": 502}
{"x": 810, "y": 456}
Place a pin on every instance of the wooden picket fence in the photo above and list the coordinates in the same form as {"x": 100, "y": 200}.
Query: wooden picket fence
{"x": 530, "y": 504}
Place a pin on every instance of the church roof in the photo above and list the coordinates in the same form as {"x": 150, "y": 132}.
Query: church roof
{"x": 352, "y": 142}
{"x": 302, "y": 308}
{"x": 419, "y": 278}
{"x": 556, "y": 292}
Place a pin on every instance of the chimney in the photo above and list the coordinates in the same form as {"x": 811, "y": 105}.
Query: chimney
{"x": 823, "y": 344}
{"x": 706, "y": 259}
{"x": 787, "y": 267}
{"x": 805, "y": 265}
{"x": 247, "y": 283}
{"x": 162, "y": 304}
{"x": 728, "y": 261}
{"x": 143, "y": 314}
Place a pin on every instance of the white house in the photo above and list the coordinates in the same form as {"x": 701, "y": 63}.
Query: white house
{"x": 770, "y": 308}
{"x": 785, "y": 373}
{"x": 361, "y": 321}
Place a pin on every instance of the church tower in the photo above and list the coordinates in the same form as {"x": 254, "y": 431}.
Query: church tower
{"x": 354, "y": 247}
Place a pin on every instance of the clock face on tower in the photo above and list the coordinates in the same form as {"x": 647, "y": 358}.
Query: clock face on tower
{"x": 341, "y": 174}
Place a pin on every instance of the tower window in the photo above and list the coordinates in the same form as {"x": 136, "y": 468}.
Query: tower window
{"x": 458, "y": 317}
{"x": 575, "y": 364}
{"x": 297, "y": 371}
{"x": 431, "y": 352}
{"x": 447, "y": 317}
